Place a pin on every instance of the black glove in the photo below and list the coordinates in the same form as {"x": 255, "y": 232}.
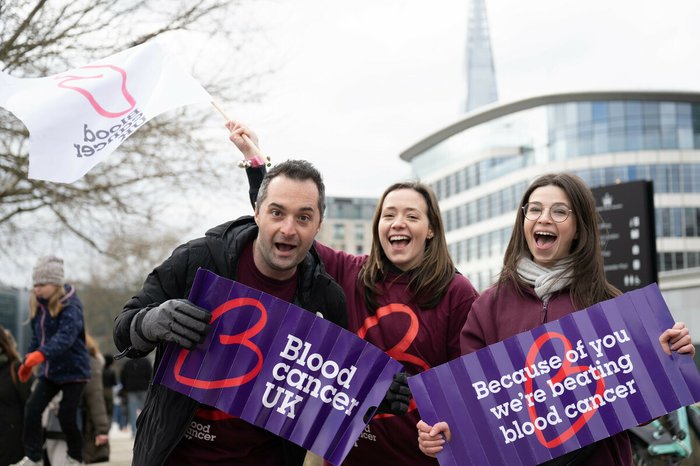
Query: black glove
{"x": 176, "y": 320}
{"x": 397, "y": 398}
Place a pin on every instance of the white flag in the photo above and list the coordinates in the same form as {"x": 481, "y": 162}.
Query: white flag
{"x": 77, "y": 118}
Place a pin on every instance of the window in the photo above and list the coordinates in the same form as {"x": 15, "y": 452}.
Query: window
{"x": 359, "y": 232}
{"x": 599, "y": 111}
{"x": 678, "y": 259}
{"x": 495, "y": 243}
{"x": 484, "y": 246}
{"x": 471, "y": 213}
{"x": 462, "y": 180}
{"x": 660, "y": 177}
{"x": 456, "y": 251}
{"x": 676, "y": 229}
{"x": 667, "y": 261}
{"x": 690, "y": 221}
{"x": 585, "y": 113}
{"x": 472, "y": 249}
{"x": 693, "y": 259}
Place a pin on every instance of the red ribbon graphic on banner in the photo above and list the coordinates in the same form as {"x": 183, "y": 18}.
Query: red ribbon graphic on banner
{"x": 242, "y": 339}
{"x": 566, "y": 370}
{"x": 398, "y": 351}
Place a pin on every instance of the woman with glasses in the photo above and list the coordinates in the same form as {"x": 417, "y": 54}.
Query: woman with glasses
{"x": 553, "y": 266}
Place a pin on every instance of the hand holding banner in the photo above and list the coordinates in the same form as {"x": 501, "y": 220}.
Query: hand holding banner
{"x": 279, "y": 367}
{"x": 561, "y": 386}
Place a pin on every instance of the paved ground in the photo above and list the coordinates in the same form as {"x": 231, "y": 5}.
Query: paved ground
{"x": 121, "y": 445}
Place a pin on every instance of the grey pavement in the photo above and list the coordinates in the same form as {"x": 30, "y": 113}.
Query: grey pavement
{"x": 121, "y": 445}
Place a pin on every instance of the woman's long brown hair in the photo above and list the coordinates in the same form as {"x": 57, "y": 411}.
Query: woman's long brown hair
{"x": 92, "y": 346}
{"x": 589, "y": 285}
{"x": 429, "y": 279}
{"x": 8, "y": 345}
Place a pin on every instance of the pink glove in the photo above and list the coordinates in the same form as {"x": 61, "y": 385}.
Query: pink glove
{"x": 32, "y": 359}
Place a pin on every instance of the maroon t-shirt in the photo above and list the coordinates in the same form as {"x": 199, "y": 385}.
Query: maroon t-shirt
{"x": 418, "y": 338}
{"x": 214, "y": 437}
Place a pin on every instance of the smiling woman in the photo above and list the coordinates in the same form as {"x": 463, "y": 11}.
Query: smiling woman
{"x": 549, "y": 230}
{"x": 552, "y": 267}
{"x": 404, "y": 228}
{"x": 405, "y": 297}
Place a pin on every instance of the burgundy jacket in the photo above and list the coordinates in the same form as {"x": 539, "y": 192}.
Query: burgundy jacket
{"x": 418, "y": 338}
{"x": 501, "y": 313}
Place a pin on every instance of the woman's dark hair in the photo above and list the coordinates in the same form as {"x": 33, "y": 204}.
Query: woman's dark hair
{"x": 8, "y": 344}
{"x": 429, "y": 279}
{"x": 588, "y": 285}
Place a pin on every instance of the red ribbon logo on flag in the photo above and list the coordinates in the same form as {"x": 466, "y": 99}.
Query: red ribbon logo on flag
{"x": 111, "y": 84}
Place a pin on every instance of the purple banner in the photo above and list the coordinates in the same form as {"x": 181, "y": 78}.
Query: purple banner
{"x": 279, "y": 367}
{"x": 561, "y": 386}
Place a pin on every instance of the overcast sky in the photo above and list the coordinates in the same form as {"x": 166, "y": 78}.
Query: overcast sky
{"x": 358, "y": 82}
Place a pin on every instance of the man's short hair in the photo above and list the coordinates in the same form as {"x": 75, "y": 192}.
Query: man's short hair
{"x": 299, "y": 170}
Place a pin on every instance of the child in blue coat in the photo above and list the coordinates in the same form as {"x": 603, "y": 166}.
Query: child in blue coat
{"x": 58, "y": 349}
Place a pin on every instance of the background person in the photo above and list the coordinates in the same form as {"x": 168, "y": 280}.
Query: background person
{"x": 120, "y": 407}
{"x": 13, "y": 396}
{"x": 57, "y": 347}
{"x": 109, "y": 381}
{"x": 92, "y": 415}
{"x": 135, "y": 378}
{"x": 96, "y": 421}
{"x": 405, "y": 297}
{"x": 552, "y": 267}
{"x": 268, "y": 252}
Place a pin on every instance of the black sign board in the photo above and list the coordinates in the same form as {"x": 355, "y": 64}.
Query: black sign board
{"x": 627, "y": 233}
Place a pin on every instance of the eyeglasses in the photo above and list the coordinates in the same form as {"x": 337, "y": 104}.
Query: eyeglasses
{"x": 557, "y": 212}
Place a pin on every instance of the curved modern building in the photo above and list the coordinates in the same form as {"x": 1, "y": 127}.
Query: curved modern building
{"x": 480, "y": 165}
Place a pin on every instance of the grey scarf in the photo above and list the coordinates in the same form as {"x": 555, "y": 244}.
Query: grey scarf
{"x": 546, "y": 281}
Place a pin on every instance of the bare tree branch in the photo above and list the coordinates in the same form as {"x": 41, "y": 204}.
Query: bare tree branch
{"x": 170, "y": 157}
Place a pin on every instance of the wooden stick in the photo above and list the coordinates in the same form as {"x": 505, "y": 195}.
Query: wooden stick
{"x": 255, "y": 148}
{"x": 220, "y": 111}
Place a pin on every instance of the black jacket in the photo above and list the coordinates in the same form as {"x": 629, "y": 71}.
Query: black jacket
{"x": 166, "y": 413}
{"x": 136, "y": 375}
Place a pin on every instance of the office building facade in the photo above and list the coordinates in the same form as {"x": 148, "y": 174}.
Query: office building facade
{"x": 14, "y": 314}
{"x": 480, "y": 166}
{"x": 347, "y": 224}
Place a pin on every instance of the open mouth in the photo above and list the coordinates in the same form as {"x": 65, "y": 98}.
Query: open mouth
{"x": 284, "y": 247}
{"x": 544, "y": 238}
{"x": 399, "y": 240}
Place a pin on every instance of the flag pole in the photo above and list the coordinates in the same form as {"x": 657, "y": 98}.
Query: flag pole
{"x": 245, "y": 137}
